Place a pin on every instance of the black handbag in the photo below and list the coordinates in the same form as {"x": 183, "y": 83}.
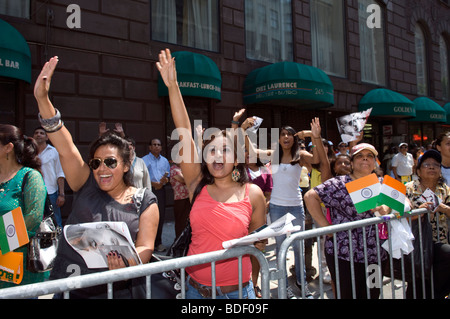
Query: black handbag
{"x": 165, "y": 285}
{"x": 180, "y": 246}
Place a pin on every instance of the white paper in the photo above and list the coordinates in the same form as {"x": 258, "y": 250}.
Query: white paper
{"x": 401, "y": 238}
{"x": 281, "y": 226}
{"x": 351, "y": 126}
{"x": 93, "y": 241}
{"x": 256, "y": 125}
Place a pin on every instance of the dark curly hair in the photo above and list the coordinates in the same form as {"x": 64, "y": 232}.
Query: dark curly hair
{"x": 25, "y": 148}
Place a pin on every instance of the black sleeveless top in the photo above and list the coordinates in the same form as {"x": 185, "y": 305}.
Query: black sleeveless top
{"x": 91, "y": 204}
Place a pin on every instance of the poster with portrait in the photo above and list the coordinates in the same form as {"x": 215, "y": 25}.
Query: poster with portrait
{"x": 94, "y": 241}
{"x": 351, "y": 126}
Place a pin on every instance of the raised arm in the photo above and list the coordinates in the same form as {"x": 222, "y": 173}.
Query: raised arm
{"x": 318, "y": 155}
{"x": 190, "y": 165}
{"x": 75, "y": 169}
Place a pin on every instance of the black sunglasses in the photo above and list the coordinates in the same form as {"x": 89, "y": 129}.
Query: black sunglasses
{"x": 110, "y": 162}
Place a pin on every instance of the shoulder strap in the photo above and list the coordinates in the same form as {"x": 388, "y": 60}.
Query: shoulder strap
{"x": 139, "y": 195}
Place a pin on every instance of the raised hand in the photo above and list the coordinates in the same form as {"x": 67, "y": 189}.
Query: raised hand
{"x": 42, "y": 85}
{"x": 237, "y": 115}
{"x": 102, "y": 128}
{"x": 118, "y": 129}
{"x": 166, "y": 67}
{"x": 315, "y": 127}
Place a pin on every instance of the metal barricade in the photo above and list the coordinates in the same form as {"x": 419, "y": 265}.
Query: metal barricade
{"x": 281, "y": 274}
{"x": 109, "y": 277}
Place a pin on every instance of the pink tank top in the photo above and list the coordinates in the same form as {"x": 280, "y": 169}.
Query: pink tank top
{"x": 212, "y": 223}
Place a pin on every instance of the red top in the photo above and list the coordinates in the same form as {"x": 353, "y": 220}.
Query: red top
{"x": 212, "y": 223}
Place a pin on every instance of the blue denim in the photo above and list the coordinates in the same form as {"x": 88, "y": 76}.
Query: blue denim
{"x": 57, "y": 211}
{"x": 277, "y": 212}
{"x": 248, "y": 292}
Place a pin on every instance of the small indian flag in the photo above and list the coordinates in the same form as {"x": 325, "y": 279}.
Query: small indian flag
{"x": 364, "y": 192}
{"x": 393, "y": 194}
{"x": 13, "y": 231}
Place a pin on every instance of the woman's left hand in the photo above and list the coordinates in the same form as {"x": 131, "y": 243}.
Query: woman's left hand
{"x": 115, "y": 260}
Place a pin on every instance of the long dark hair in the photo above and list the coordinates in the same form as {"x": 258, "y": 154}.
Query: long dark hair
{"x": 207, "y": 178}
{"x": 25, "y": 148}
{"x": 111, "y": 138}
{"x": 295, "y": 149}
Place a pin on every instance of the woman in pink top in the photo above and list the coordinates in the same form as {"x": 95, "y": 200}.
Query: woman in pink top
{"x": 223, "y": 207}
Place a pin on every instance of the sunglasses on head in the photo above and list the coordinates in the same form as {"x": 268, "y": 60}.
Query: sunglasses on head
{"x": 110, "y": 162}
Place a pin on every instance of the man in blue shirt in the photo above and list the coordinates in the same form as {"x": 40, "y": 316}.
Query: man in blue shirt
{"x": 159, "y": 169}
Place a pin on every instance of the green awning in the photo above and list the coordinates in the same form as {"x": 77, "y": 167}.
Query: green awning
{"x": 428, "y": 111}
{"x": 197, "y": 75}
{"x": 386, "y": 102}
{"x": 15, "y": 56}
{"x": 289, "y": 83}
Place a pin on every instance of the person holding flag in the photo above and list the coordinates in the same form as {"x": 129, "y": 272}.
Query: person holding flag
{"x": 430, "y": 178}
{"x": 22, "y": 199}
{"x": 334, "y": 194}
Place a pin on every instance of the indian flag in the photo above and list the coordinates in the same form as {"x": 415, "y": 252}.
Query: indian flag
{"x": 13, "y": 232}
{"x": 364, "y": 192}
{"x": 393, "y": 194}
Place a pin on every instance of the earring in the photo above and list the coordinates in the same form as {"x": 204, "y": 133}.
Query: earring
{"x": 235, "y": 174}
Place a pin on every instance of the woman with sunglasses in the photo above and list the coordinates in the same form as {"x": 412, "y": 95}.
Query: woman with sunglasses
{"x": 103, "y": 191}
{"x": 225, "y": 205}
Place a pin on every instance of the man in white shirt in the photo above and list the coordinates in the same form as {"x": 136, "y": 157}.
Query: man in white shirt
{"x": 52, "y": 172}
{"x": 402, "y": 164}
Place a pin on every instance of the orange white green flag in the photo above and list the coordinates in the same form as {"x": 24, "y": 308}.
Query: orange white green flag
{"x": 364, "y": 192}
{"x": 393, "y": 194}
{"x": 13, "y": 231}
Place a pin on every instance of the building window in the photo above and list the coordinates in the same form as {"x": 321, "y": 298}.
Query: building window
{"x": 15, "y": 8}
{"x": 443, "y": 50}
{"x": 421, "y": 61}
{"x": 268, "y": 30}
{"x": 371, "y": 44}
{"x": 327, "y": 36}
{"x": 191, "y": 23}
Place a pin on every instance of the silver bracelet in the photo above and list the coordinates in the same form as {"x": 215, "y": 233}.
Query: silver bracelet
{"x": 52, "y": 124}
{"x": 55, "y": 128}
